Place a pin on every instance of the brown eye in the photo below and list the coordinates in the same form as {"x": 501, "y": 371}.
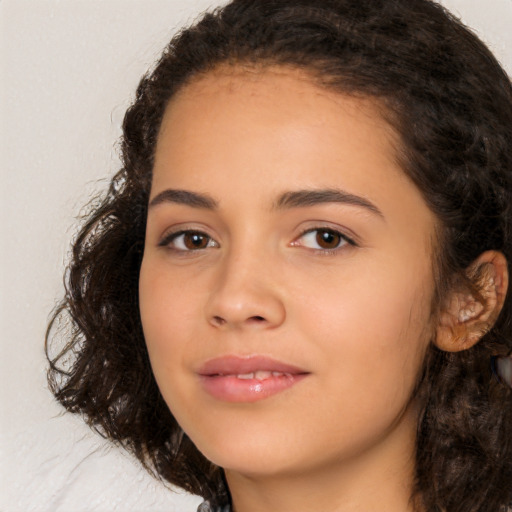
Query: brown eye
{"x": 187, "y": 241}
{"x": 327, "y": 239}
{"x": 324, "y": 240}
{"x": 195, "y": 241}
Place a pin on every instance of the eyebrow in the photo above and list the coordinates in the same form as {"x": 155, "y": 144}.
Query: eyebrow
{"x": 288, "y": 200}
{"x": 185, "y": 197}
{"x": 305, "y": 198}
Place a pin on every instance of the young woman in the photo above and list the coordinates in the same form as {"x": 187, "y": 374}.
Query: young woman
{"x": 294, "y": 295}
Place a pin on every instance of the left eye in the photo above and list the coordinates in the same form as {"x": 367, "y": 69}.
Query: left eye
{"x": 323, "y": 239}
{"x": 189, "y": 241}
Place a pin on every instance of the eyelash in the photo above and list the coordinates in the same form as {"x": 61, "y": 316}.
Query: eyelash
{"x": 171, "y": 238}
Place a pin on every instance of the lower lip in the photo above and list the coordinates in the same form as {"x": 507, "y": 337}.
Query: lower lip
{"x": 229, "y": 388}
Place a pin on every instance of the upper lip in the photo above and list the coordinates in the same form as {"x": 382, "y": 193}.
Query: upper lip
{"x": 237, "y": 365}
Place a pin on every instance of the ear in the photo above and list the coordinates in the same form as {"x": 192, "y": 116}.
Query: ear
{"x": 468, "y": 315}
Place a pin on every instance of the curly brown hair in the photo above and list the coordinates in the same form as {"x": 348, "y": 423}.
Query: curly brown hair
{"x": 450, "y": 101}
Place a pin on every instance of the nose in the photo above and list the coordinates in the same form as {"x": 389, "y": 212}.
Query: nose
{"x": 245, "y": 296}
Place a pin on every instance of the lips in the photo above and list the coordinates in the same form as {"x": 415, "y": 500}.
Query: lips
{"x": 247, "y": 379}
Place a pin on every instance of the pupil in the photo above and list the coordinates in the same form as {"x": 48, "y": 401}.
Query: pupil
{"x": 327, "y": 239}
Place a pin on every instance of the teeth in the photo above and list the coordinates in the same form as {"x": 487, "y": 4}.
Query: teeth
{"x": 258, "y": 375}
{"x": 245, "y": 376}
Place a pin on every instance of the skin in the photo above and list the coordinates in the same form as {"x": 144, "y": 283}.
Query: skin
{"x": 357, "y": 319}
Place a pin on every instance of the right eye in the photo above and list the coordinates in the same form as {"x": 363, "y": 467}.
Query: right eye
{"x": 188, "y": 241}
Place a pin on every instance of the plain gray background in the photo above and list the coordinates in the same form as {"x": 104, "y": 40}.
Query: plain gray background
{"x": 69, "y": 69}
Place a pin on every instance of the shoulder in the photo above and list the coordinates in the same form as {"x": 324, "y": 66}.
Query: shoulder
{"x": 206, "y": 507}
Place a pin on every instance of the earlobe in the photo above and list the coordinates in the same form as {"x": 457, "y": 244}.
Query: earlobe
{"x": 468, "y": 314}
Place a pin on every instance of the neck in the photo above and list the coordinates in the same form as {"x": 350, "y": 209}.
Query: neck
{"x": 381, "y": 479}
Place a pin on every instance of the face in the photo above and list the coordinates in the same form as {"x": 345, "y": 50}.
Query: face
{"x": 286, "y": 282}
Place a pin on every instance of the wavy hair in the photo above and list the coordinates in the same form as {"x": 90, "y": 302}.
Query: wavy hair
{"x": 450, "y": 101}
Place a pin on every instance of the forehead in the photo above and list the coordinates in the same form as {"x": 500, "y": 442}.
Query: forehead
{"x": 284, "y": 90}
{"x": 243, "y": 110}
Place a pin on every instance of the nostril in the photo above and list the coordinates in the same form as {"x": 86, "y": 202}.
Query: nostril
{"x": 254, "y": 320}
{"x": 219, "y": 320}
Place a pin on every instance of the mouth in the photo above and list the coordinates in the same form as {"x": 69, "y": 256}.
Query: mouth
{"x": 248, "y": 379}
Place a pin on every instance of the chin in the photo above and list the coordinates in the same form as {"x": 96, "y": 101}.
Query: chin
{"x": 253, "y": 454}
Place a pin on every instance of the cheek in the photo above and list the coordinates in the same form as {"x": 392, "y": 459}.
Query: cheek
{"x": 167, "y": 311}
{"x": 375, "y": 325}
